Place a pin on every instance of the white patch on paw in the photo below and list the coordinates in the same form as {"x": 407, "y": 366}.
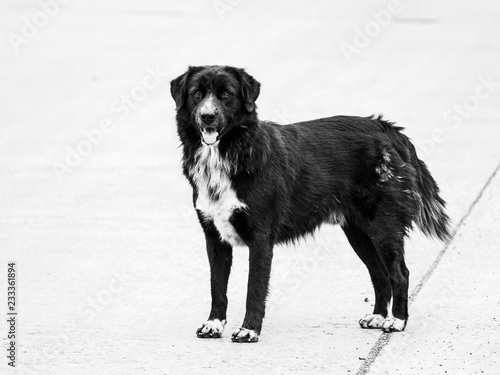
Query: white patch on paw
{"x": 245, "y": 335}
{"x": 394, "y": 325}
{"x": 212, "y": 328}
{"x": 372, "y": 321}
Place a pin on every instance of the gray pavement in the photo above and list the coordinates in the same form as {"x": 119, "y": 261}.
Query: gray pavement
{"x": 113, "y": 277}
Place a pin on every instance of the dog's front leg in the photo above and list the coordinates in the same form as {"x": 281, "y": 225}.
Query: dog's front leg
{"x": 261, "y": 255}
{"x": 220, "y": 257}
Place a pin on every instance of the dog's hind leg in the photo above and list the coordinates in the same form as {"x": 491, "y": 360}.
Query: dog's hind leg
{"x": 261, "y": 255}
{"x": 391, "y": 247}
{"x": 363, "y": 246}
{"x": 220, "y": 256}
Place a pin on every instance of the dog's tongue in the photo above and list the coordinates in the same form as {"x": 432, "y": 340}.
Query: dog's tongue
{"x": 209, "y": 136}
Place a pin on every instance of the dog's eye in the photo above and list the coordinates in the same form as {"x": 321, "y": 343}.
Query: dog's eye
{"x": 225, "y": 94}
{"x": 197, "y": 95}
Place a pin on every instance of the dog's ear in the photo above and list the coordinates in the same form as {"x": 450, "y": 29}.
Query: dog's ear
{"x": 178, "y": 86}
{"x": 178, "y": 90}
{"x": 250, "y": 90}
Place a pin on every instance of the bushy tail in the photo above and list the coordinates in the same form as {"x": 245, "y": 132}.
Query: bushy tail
{"x": 430, "y": 215}
{"x": 431, "y": 219}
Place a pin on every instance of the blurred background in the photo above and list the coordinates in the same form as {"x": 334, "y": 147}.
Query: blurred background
{"x": 95, "y": 210}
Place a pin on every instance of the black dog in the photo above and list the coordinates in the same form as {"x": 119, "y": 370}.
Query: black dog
{"x": 258, "y": 184}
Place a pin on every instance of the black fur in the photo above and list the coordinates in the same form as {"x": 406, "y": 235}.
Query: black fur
{"x": 360, "y": 172}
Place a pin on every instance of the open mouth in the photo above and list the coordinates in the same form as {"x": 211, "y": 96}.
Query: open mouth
{"x": 209, "y": 135}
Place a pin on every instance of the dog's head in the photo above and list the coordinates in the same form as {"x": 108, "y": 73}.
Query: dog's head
{"x": 215, "y": 98}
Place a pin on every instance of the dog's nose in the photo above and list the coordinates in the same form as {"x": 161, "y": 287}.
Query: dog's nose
{"x": 208, "y": 118}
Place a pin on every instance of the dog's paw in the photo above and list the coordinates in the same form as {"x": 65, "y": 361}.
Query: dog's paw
{"x": 372, "y": 321}
{"x": 212, "y": 329}
{"x": 394, "y": 325}
{"x": 245, "y": 335}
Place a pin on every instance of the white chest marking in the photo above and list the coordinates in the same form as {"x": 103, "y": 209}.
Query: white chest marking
{"x": 336, "y": 218}
{"x": 216, "y": 198}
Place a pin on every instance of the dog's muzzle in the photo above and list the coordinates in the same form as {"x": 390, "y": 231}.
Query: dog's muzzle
{"x": 209, "y": 121}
